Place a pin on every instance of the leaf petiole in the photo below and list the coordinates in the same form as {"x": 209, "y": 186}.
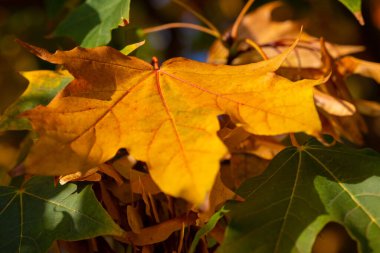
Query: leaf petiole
{"x": 197, "y": 15}
{"x": 294, "y": 141}
{"x": 257, "y": 48}
{"x": 239, "y": 19}
{"x": 181, "y": 25}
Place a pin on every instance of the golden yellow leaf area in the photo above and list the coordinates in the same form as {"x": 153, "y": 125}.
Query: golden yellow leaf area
{"x": 165, "y": 116}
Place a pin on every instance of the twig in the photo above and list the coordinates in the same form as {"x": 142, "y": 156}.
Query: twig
{"x": 198, "y": 15}
{"x": 294, "y": 140}
{"x": 181, "y": 238}
{"x": 157, "y": 233}
{"x": 180, "y": 25}
{"x": 239, "y": 19}
{"x": 257, "y": 48}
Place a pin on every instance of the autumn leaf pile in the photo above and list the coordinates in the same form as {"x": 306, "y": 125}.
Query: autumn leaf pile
{"x": 173, "y": 156}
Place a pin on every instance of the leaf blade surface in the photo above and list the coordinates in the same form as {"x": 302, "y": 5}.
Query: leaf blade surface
{"x": 300, "y": 192}
{"x": 38, "y": 213}
{"x": 43, "y": 86}
{"x": 91, "y": 23}
{"x": 355, "y": 6}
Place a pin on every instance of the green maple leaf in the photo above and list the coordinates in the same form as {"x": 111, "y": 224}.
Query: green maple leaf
{"x": 300, "y": 192}
{"x": 36, "y": 214}
{"x": 91, "y": 23}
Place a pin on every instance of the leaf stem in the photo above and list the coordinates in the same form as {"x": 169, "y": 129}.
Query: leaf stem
{"x": 324, "y": 142}
{"x": 283, "y": 43}
{"x": 155, "y": 63}
{"x": 257, "y": 48}
{"x": 239, "y": 19}
{"x": 294, "y": 140}
{"x": 181, "y": 237}
{"x": 197, "y": 15}
{"x": 181, "y": 25}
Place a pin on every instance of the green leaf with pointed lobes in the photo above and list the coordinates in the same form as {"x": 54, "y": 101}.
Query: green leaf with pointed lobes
{"x": 300, "y": 192}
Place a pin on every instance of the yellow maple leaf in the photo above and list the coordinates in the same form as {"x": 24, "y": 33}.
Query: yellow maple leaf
{"x": 165, "y": 116}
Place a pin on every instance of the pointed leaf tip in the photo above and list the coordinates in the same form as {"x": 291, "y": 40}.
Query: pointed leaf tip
{"x": 40, "y": 52}
{"x": 355, "y": 8}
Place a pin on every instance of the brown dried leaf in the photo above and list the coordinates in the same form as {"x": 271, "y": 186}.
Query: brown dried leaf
{"x": 369, "y": 108}
{"x": 244, "y": 166}
{"x": 91, "y": 175}
{"x": 147, "y": 249}
{"x": 232, "y": 137}
{"x": 141, "y": 182}
{"x": 332, "y": 105}
{"x": 121, "y": 192}
{"x": 265, "y": 147}
{"x": 240, "y": 141}
{"x": 134, "y": 219}
{"x": 264, "y": 29}
{"x": 124, "y": 166}
{"x": 160, "y": 232}
{"x": 351, "y": 127}
{"x": 109, "y": 203}
{"x": 218, "y": 196}
{"x": 110, "y": 171}
{"x": 351, "y": 65}
{"x": 274, "y": 36}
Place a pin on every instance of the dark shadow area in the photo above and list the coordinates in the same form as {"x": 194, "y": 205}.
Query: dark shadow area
{"x": 12, "y": 84}
{"x": 334, "y": 239}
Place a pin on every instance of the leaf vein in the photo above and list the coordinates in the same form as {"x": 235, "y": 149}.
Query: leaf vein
{"x": 64, "y": 207}
{"x": 279, "y": 238}
{"x": 352, "y": 196}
